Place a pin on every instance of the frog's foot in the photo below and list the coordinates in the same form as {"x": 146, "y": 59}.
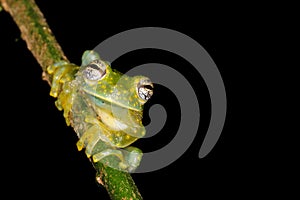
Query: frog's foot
{"x": 116, "y": 161}
{"x": 127, "y": 159}
{"x": 62, "y": 72}
{"x": 133, "y": 157}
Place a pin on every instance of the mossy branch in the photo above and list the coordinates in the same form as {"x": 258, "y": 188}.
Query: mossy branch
{"x": 44, "y": 47}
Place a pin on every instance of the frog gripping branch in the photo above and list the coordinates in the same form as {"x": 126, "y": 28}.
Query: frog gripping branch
{"x": 103, "y": 106}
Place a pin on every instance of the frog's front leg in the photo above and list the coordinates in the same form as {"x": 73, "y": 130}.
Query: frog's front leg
{"x": 62, "y": 72}
{"x": 61, "y": 87}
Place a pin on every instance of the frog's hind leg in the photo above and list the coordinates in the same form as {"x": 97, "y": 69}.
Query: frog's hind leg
{"x": 128, "y": 158}
{"x": 116, "y": 159}
{"x": 94, "y": 143}
{"x": 99, "y": 146}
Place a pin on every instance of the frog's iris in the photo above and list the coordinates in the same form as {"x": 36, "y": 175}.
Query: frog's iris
{"x": 95, "y": 71}
{"x": 145, "y": 89}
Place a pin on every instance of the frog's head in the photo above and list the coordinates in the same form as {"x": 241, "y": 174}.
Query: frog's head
{"x": 118, "y": 99}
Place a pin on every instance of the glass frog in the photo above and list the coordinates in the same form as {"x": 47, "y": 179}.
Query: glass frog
{"x": 105, "y": 108}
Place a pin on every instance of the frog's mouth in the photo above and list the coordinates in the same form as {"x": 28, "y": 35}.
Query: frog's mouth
{"x": 101, "y": 100}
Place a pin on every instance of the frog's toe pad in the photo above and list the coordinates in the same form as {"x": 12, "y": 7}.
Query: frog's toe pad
{"x": 133, "y": 157}
{"x": 80, "y": 145}
{"x": 62, "y": 72}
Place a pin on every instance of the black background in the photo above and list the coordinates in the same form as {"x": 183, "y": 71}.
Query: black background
{"x": 38, "y": 150}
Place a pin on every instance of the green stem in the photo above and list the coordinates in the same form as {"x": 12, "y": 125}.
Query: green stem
{"x": 117, "y": 183}
{"x": 44, "y": 47}
{"x": 35, "y": 31}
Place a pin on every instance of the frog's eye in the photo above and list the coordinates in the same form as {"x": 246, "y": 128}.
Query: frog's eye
{"x": 95, "y": 71}
{"x": 145, "y": 89}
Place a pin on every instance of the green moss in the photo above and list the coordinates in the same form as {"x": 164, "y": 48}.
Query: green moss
{"x": 40, "y": 27}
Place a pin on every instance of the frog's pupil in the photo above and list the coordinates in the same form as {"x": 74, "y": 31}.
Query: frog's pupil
{"x": 94, "y": 66}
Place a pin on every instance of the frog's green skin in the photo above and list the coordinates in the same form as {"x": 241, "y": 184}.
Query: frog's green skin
{"x": 105, "y": 108}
